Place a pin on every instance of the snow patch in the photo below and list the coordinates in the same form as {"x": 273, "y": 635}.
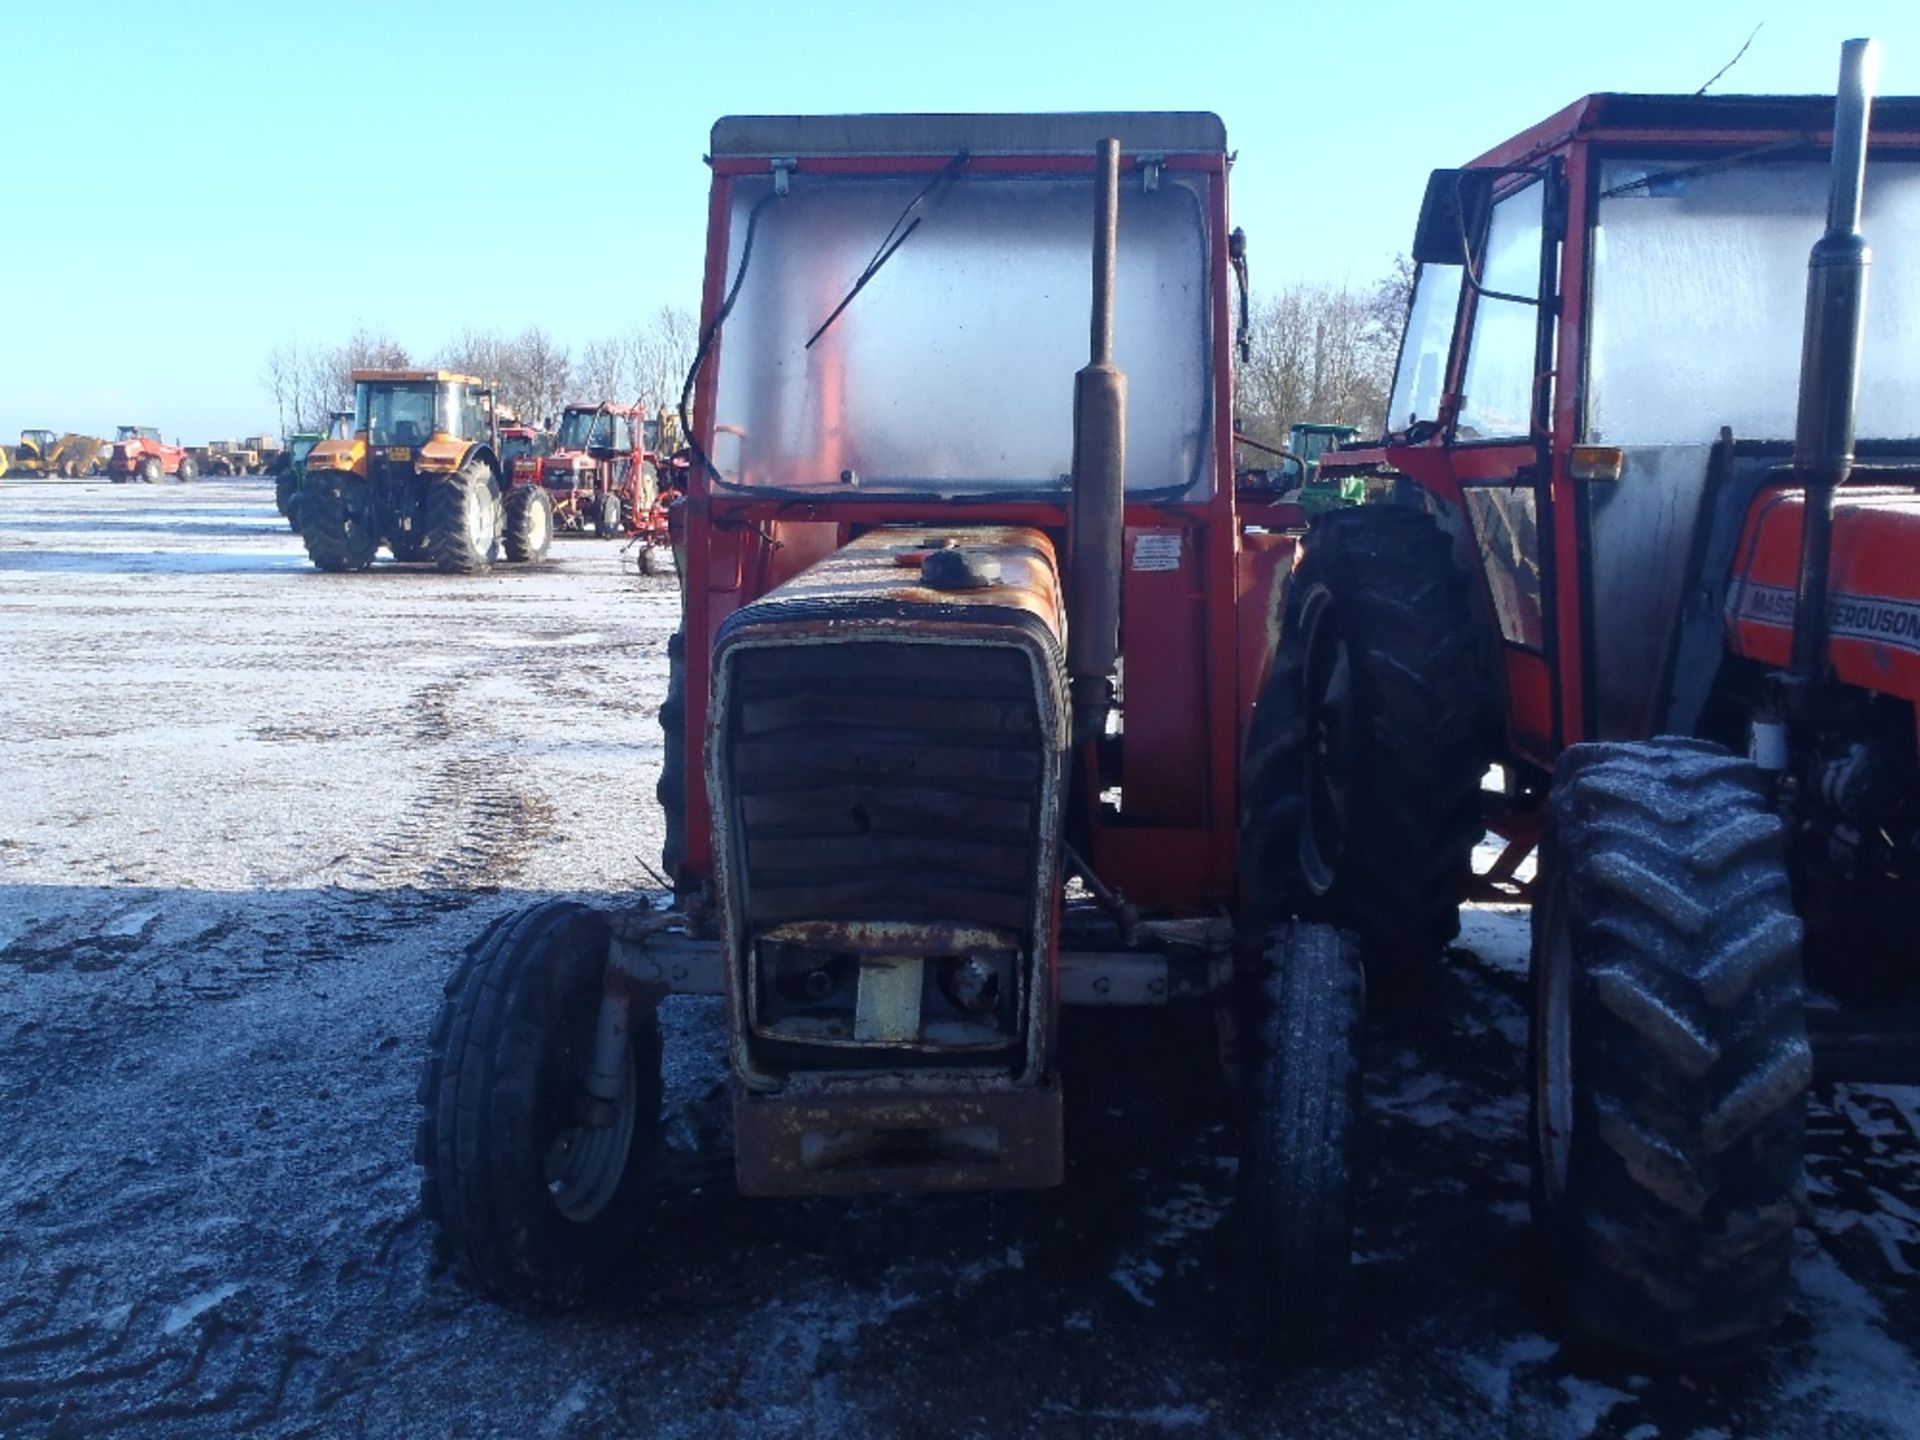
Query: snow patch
{"x": 188, "y": 1311}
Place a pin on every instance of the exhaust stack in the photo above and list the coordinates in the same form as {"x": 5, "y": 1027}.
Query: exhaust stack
{"x": 1830, "y": 353}
{"x": 1099, "y": 479}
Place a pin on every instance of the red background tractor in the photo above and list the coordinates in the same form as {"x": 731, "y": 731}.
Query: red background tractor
{"x": 140, "y": 454}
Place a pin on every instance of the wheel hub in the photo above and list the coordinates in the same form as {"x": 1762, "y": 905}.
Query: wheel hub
{"x": 585, "y": 1163}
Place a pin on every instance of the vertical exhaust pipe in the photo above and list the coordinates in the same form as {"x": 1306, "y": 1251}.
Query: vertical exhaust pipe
{"x": 1830, "y": 353}
{"x": 1099, "y": 479}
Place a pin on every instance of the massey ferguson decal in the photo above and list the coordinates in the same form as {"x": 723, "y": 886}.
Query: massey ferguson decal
{"x": 1873, "y": 618}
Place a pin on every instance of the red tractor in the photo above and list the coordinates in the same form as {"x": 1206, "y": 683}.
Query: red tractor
{"x": 929, "y": 672}
{"x": 521, "y": 450}
{"x": 1681, "y": 612}
{"x": 140, "y": 454}
{"x": 598, "y": 472}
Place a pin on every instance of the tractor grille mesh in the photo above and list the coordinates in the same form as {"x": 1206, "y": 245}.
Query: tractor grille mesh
{"x": 885, "y": 781}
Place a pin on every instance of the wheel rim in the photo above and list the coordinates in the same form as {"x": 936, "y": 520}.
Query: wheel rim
{"x": 479, "y": 522}
{"x": 584, "y": 1164}
{"x": 539, "y": 526}
{"x": 1330, "y": 744}
{"x": 1553, "y": 1045}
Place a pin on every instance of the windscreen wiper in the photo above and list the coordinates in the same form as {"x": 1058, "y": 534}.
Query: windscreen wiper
{"x": 890, "y": 242}
{"x": 1706, "y": 167}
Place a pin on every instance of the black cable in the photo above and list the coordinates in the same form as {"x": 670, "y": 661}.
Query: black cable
{"x": 712, "y": 332}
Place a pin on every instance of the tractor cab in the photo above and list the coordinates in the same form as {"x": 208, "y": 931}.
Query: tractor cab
{"x": 521, "y": 449}
{"x": 135, "y": 433}
{"x": 37, "y": 442}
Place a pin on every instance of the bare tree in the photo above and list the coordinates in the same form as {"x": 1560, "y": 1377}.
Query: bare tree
{"x": 600, "y": 370}
{"x": 536, "y": 375}
{"x": 1321, "y": 353}
{"x": 279, "y": 373}
{"x": 659, "y": 354}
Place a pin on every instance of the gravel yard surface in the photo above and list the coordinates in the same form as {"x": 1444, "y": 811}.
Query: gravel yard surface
{"x": 251, "y": 814}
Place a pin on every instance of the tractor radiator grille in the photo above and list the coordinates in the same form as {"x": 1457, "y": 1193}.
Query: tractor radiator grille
{"x": 878, "y": 780}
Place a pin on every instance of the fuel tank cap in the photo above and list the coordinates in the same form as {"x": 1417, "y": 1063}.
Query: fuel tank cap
{"x": 952, "y": 568}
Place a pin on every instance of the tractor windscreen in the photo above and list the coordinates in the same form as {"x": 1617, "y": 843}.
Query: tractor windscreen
{"x": 584, "y": 430}
{"x": 1699, "y": 279}
{"x": 951, "y": 371}
{"x": 137, "y": 432}
{"x": 393, "y": 414}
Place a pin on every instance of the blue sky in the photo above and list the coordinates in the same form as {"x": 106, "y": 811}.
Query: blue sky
{"x": 428, "y": 166}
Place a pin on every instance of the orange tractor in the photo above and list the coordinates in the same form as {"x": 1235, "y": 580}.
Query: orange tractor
{"x": 928, "y": 673}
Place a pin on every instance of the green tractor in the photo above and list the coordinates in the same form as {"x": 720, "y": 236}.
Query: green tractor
{"x": 290, "y": 471}
{"x": 1307, "y": 442}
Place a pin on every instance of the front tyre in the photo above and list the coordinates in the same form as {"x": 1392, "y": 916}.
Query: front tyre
{"x": 336, "y": 523}
{"x": 188, "y": 471}
{"x": 1669, "y": 1061}
{"x": 1295, "y": 1201}
{"x": 529, "y": 523}
{"x": 534, "y": 1206}
{"x": 1360, "y": 804}
{"x": 151, "y": 470}
{"x": 463, "y": 520}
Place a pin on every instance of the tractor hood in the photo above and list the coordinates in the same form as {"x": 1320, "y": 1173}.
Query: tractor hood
{"x": 886, "y": 763}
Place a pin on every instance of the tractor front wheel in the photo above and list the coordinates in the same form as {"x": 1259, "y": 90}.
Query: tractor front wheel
{"x": 1669, "y": 1059}
{"x": 463, "y": 521}
{"x": 606, "y": 516}
{"x": 1295, "y": 1202}
{"x": 529, "y": 523}
{"x": 535, "y": 1203}
{"x": 188, "y": 470}
{"x": 151, "y": 471}
{"x": 336, "y": 523}
{"x": 1361, "y": 804}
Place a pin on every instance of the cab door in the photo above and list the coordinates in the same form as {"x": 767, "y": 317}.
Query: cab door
{"x": 1499, "y": 434}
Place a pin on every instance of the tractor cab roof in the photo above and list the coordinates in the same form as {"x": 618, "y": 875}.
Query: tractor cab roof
{"x": 416, "y": 377}
{"x": 1699, "y": 119}
{"x": 797, "y": 136}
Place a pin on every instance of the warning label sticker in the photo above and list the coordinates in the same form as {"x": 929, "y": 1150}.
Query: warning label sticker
{"x": 1157, "y": 550}
{"x": 1878, "y": 619}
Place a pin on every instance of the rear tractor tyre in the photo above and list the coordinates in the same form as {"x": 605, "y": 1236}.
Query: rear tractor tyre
{"x": 151, "y": 470}
{"x": 188, "y": 471}
{"x": 534, "y": 1206}
{"x": 1295, "y": 1201}
{"x": 1361, "y": 799}
{"x": 1669, "y": 1061}
{"x": 336, "y": 523}
{"x": 463, "y": 520}
{"x": 529, "y": 523}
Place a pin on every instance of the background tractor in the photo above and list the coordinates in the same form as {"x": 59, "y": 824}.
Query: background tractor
{"x": 419, "y": 473}
{"x": 598, "y": 472}
{"x": 289, "y": 466}
{"x": 42, "y": 453}
{"x": 521, "y": 449}
{"x": 896, "y": 727}
{"x": 140, "y": 454}
{"x": 1682, "y": 614}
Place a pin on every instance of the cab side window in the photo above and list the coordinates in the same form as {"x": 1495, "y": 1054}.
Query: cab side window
{"x": 1422, "y": 370}
{"x": 1496, "y": 402}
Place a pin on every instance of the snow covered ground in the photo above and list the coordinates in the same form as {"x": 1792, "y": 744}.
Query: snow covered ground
{"x": 250, "y": 814}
